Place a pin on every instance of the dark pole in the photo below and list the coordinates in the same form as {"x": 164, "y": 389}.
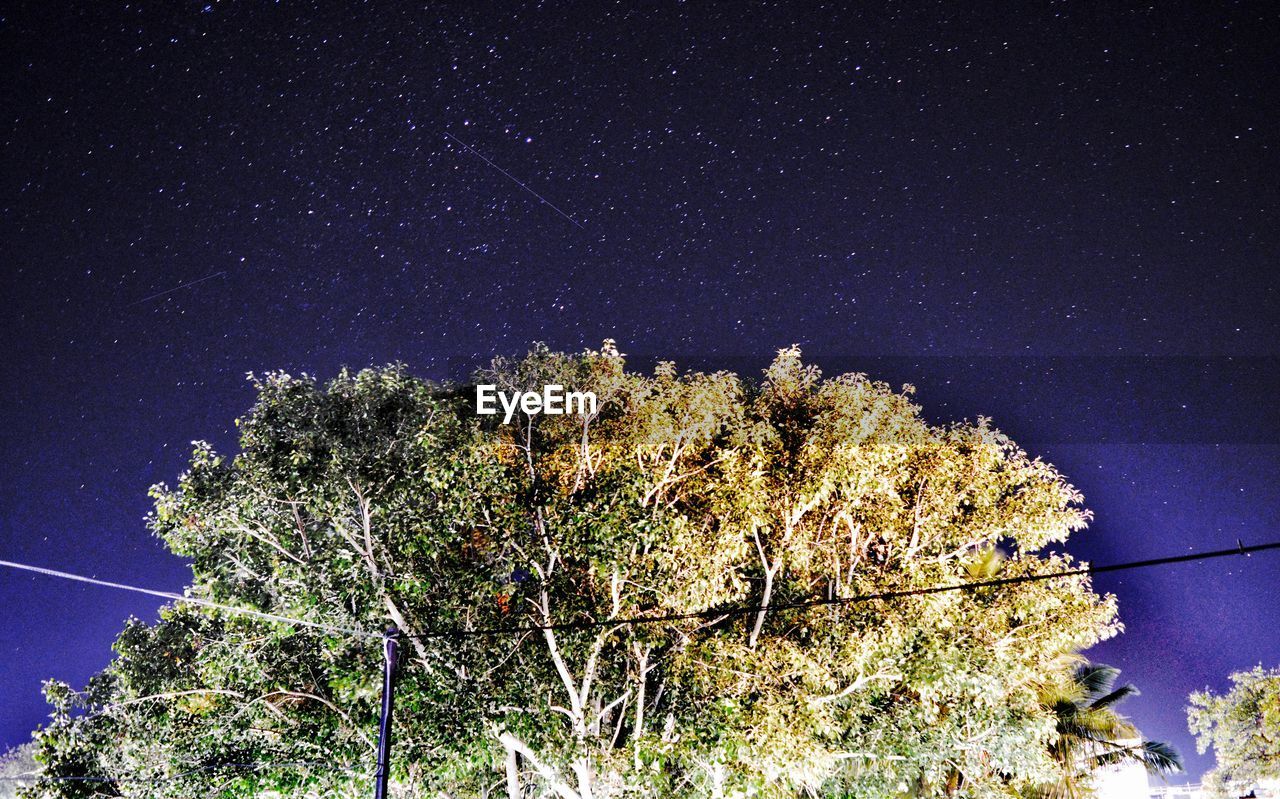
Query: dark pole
{"x": 390, "y": 642}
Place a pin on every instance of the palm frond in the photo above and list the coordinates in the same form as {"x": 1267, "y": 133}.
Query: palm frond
{"x": 1156, "y": 757}
{"x": 1098, "y": 725}
{"x": 1118, "y": 695}
{"x": 1096, "y": 678}
{"x": 1159, "y": 757}
{"x": 1091, "y": 734}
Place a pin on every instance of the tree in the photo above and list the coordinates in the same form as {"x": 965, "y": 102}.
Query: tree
{"x": 1243, "y": 727}
{"x": 1091, "y": 734}
{"x": 16, "y": 765}
{"x": 379, "y": 498}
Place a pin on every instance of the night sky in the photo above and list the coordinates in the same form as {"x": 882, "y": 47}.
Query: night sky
{"x": 1062, "y": 217}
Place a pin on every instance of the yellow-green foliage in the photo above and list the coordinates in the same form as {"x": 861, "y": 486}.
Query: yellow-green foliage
{"x": 379, "y": 498}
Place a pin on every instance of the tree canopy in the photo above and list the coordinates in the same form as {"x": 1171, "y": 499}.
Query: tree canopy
{"x": 380, "y": 498}
{"x": 1243, "y": 727}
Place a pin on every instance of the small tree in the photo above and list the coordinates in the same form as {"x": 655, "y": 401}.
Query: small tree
{"x": 1243, "y": 727}
{"x": 17, "y": 766}
{"x": 1091, "y": 734}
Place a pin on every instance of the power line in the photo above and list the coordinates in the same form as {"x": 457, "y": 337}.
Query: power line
{"x": 720, "y": 613}
{"x": 740, "y": 610}
{"x": 193, "y": 600}
{"x": 1241, "y": 549}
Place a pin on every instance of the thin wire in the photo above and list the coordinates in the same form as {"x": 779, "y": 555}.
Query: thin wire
{"x": 193, "y": 600}
{"x": 182, "y": 774}
{"x": 1241, "y": 549}
{"x": 512, "y": 177}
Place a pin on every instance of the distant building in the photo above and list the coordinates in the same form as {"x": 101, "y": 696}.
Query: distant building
{"x": 1129, "y": 781}
{"x": 1190, "y": 791}
{"x": 1124, "y": 781}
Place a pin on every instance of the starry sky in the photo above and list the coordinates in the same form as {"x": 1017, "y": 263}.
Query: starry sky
{"x": 1058, "y": 215}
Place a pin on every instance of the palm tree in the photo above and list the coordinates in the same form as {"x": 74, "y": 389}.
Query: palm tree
{"x": 1091, "y": 734}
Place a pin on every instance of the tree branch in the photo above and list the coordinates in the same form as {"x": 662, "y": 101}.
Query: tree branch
{"x": 557, "y": 785}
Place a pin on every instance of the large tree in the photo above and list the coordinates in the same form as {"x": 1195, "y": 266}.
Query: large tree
{"x": 379, "y": 499}
{"x": 1243, "y": 727}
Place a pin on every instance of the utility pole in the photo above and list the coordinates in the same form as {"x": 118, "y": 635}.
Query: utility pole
{"x": 390, "y": 644}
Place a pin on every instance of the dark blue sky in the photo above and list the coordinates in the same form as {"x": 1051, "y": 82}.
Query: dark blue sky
{"x": 1063, "y": 217}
